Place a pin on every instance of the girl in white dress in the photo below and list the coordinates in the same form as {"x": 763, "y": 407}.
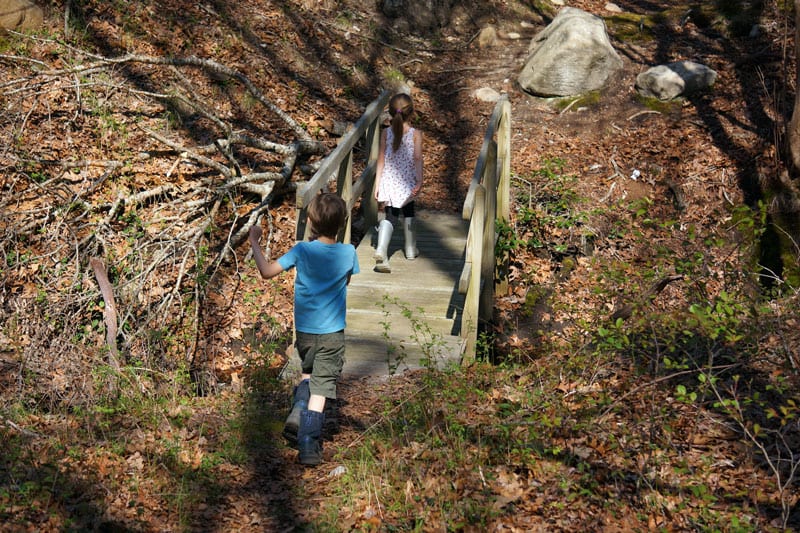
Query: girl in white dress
{"x": 398, "y": 179}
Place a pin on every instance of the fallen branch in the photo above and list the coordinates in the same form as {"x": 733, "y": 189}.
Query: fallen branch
{"x": 656, "y": 381}
{"x": 626, "y": 311}
{"x": 26, "y": 432}
{"x": 222, "y": 169}
{"x": 616, "y": 173}
{"x": 110, "y": 311}
{"x": 569, "y": 106}
{"x": 610, "y": 191}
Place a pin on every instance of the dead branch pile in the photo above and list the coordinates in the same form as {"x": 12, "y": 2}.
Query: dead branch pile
{"x": 154, "y": 174}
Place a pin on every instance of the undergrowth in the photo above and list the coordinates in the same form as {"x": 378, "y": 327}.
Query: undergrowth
{"x": 668, "y": 416}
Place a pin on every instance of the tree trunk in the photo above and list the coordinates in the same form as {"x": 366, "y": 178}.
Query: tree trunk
{"x": 793, "y": 133}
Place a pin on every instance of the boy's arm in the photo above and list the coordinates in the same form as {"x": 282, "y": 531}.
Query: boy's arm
{"x": 267, "y": 268}
{"x": 355, "y": 269}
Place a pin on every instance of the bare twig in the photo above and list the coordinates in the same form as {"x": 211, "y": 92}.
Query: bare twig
{"x": 653, "y": 382}
{"x": 610, "y": 191}
{"x": 222, "y": 169}
{"x": 567, "y": 108}
{"x": 645, "y": 112}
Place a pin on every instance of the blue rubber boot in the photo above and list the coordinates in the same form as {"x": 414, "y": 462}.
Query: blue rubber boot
{"x": 309, "y": 438}
{"x": 299, "y": 404}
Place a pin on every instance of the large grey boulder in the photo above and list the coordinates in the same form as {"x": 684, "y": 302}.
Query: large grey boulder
{"x": 20, "y": 15}
{"x": 669, "y": 81}
{"x": 572, "y": 55}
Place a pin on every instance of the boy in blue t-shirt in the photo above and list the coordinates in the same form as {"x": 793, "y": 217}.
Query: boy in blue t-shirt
{"x": 324, "y": 267}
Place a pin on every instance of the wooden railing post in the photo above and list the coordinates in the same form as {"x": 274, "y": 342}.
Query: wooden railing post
{"x": 368, "y": 202}
{"x": 489, "y": 234}
{"x": 302, "y": 230}
{"x": 344, "y": 187}
{"x": 470, "y": 317}
{"x": 504, "y": 162}
{"x": 486, "y": 203}
{"x": 503, "y": 190}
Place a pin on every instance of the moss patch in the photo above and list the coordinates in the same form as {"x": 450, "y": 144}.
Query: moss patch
{"x": 632, "y": 27}
{"x": 573, "y": 103}
{"x": 665, "y": 108}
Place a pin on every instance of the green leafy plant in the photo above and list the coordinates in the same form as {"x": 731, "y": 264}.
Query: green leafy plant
{"x": 432, "y": 345}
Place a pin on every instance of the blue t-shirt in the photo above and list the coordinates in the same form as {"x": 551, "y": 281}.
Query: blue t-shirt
{"x": 320, "y": 286}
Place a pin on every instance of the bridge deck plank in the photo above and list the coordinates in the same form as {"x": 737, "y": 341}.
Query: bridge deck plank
{"x": 425, "y": 287}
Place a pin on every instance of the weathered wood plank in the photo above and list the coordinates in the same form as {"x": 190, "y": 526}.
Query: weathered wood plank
{"x": 362, "y": 353}
{"x": 373, "y": 324}
{"x": 426, "y": 287}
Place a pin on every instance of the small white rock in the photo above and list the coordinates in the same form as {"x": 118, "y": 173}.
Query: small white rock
{"x": 338, "y": 471}
{"x": 486, "y": 94}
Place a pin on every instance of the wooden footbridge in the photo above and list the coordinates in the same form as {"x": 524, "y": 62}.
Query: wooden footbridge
{"x": 399, "y": 320}
{"x": 426, "y": 311}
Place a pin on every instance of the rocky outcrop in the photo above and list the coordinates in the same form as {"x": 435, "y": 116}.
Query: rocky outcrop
{"x": 20, "y": 15}
{"x": 572, "y": 55}
{"x": 666, "y": 82}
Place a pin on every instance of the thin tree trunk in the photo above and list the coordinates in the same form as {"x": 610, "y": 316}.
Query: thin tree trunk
{"x": 793, "y": 133}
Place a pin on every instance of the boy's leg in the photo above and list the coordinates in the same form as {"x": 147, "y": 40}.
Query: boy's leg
{"x": 316, "y": 403}
{"x": 300, "y": 402}
{"x": 328, "y": 361}
{"x": 305, "y": 346}
{"x": 309, "y": 438}
{"x": 309, "y": 433}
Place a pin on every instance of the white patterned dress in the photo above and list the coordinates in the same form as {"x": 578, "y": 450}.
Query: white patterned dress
{"x": 399, "y": 171}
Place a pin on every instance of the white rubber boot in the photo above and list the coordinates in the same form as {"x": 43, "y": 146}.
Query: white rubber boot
{"x": 381, "y": 217}
{"x": 411, "y": 239}
{"x": 385, "y": 230}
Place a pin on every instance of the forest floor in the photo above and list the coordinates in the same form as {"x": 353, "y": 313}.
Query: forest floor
{"x": 696, "y": 159}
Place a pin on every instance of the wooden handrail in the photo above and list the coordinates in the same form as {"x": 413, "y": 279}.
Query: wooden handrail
{"x": 499, "y": 125}
{"x": 340, "y": 163}
{"x": 487, "y": 201}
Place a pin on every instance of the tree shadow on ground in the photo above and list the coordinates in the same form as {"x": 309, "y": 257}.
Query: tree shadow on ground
{"x": 760, "y": 68}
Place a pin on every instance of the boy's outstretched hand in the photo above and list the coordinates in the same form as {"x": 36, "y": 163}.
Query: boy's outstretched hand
{"x": 256, "y": 232}
{"x": 266, "y": 267}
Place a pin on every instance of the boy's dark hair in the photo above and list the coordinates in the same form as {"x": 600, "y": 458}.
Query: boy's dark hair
{"x": 327, "y": 213}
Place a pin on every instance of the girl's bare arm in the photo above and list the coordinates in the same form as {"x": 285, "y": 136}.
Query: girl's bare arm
{"x": 418, "y": 160}
{"x": 381, "y": 161}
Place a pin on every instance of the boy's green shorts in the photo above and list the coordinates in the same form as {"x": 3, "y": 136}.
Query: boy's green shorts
{"x": 322, "y": 356}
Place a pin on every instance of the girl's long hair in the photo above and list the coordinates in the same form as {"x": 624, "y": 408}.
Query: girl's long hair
{"x": 401, "y": 109}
